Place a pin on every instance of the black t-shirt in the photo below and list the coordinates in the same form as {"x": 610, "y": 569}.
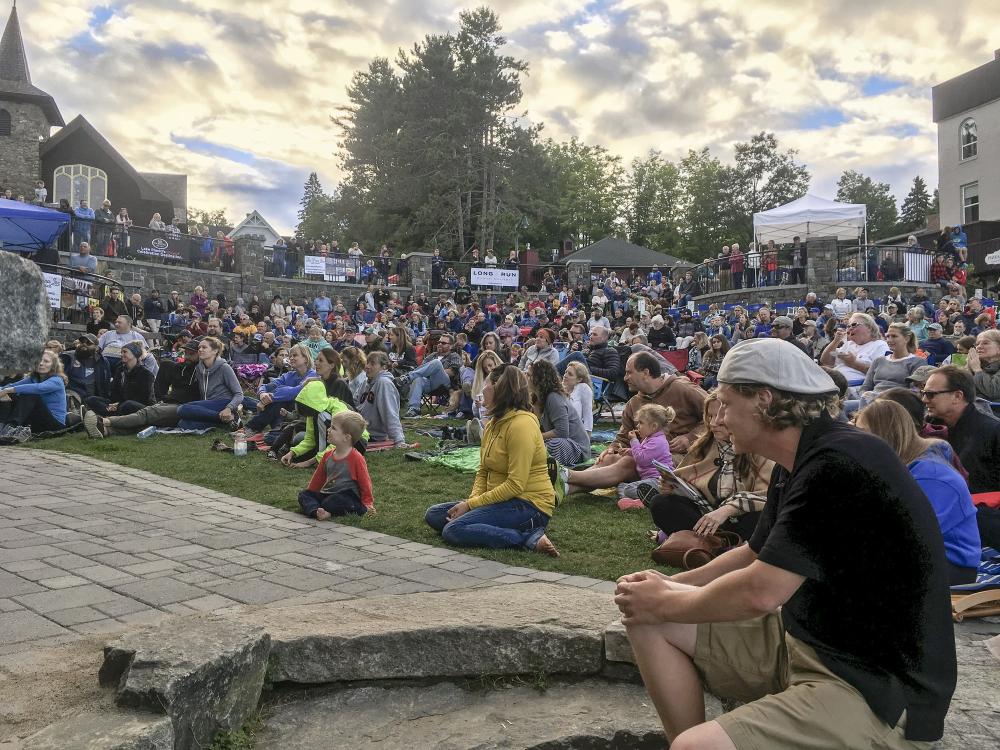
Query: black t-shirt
{"x": 875, "y": 603}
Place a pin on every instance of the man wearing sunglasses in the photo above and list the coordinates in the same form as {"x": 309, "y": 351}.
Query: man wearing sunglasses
{"x": 949, "y": 394}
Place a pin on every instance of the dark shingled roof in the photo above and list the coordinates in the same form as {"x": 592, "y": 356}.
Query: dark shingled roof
{"x": 15, "y": 80}
{"x": 80, "y": 125}
{"x": 612, "y": 251}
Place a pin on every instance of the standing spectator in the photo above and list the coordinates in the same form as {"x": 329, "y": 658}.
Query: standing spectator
{"x": 770, "y": 261}
{"x": 135, "y": 309}
{"x": 123, "y": 223}
{"x": 736, "y": 265}
{"x": 83, "y": 224}
{"x": 225, "y": 252}
{"x": 41, "y": 193}
{"x": 798, "y": 261}
{"x": 750, "y": 275}
{"x": 437, "y": 269}
{"x": 104, "y": 229}
{"x": 156, "y": 223}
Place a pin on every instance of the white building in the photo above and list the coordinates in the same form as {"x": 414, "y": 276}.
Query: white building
{"x": 257, "y": 225}
{"x": 967, "y": 113}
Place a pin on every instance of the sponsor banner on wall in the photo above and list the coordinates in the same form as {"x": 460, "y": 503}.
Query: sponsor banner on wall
{"x": 502, "y": 277}
{"x": 314, "y": 264}
{"x": 53, "y": 289}
{"x": 153, "y": 245}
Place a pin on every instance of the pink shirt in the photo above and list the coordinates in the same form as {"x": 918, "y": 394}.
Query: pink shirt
{"x": 653, "y": 448}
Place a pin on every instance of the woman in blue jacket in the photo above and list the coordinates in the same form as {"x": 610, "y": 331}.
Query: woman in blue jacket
{"x": 35, "y": 403}
{"x": 929, "y": 462}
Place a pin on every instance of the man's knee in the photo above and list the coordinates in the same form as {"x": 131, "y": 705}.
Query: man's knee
{"x": 680, "y": 635}
{"x": 707, "y": 736}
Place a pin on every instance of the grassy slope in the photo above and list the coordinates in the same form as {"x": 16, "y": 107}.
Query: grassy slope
{"x": 595, "y": 538}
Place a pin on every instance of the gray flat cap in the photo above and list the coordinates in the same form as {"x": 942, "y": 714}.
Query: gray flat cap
{"x": 775, "y": 363}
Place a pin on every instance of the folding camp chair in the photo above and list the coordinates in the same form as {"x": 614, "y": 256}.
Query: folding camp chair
{"x": 602, "y": 400}
{"x": 982, "y": 598}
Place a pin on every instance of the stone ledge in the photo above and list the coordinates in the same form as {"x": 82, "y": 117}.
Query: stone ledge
{"x": 514, "y": 629}
{"x": 110, "y": 731}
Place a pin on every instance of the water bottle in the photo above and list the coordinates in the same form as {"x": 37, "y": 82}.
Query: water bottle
{"x": 148, "y": 432}
{"x": 240, "y": 443}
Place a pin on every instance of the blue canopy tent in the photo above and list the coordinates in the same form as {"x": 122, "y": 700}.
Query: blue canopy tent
{"x": 27, "y": 228}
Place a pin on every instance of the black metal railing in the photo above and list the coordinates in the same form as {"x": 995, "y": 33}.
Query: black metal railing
{"x": 749, "y": 269}
{"x": 888, "y": 263}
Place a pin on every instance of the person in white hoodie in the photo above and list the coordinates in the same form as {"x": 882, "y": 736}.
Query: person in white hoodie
{"x": 379, "y": 402}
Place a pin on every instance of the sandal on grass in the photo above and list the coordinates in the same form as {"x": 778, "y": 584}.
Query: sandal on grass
{"x": 220, "y": 446}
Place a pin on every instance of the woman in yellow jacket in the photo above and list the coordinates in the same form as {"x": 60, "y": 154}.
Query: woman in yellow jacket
{"x": 512, "y": 498}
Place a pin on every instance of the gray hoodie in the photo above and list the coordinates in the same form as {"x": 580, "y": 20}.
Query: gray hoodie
{"x": 218, "y": 382}
{"x": 379, "y": 405}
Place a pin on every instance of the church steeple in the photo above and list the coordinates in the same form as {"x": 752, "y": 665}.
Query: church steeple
{"x": 13, "y": 61}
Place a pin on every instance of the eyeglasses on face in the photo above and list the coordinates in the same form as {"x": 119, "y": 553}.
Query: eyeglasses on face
{"x": 854, "y": 325}
{"x": 931, "y": 394}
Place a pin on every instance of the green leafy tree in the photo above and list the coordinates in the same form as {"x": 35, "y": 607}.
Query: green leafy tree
{"x": 854, "y": 187}
{"x": 704, "y": 205}
{"x": 652, "y": 199}
{"x": 763, "y": 177}
{"x": 198, "y": 217}
{"x": 916, "y": 206}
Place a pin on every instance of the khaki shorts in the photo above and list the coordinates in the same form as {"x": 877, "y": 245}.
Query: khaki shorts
{"x": 791, "y": 699}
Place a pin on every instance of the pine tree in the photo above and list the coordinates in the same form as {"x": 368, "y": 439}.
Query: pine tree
{"x": 916, "y": 206}
{"x": 314, "y": 211}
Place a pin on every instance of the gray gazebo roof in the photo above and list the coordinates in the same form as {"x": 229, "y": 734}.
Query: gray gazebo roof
{"x": 612, "y": 251}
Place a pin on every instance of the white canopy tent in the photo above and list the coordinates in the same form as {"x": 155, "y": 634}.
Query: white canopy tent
{"x": 812, "y": 216}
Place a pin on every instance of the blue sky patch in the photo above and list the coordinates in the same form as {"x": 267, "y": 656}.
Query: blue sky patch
{"x": 100, "y": 16}
{"x": 823, "y": 117}
{"x": 875, "y": 85}
{"x": 208, "y": 148}
{"x": 86, "y": 44}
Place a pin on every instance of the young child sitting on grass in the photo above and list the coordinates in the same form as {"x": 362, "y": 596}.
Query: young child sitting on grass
{"x": 340, "y": 484}
{"x": 648, "y": 443}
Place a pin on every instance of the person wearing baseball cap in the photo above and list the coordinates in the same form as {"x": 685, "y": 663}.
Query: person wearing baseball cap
{"x": 86, "y": 370}
{"x": 767, "y": 621}
{"x": 781, "y": 328}
{"x": 175, "y": 384}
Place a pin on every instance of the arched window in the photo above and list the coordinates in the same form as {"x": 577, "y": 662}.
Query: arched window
{"x": 968, "y": 138}
{"x": 4, "y": 122}
{"x": 77, "y": 182}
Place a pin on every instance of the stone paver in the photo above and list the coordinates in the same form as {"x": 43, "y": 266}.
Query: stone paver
{"x": 136, "y": 549}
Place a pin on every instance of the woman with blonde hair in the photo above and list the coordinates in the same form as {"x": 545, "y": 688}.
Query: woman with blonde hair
{"x": 353, "y": 360}
{"x": 930, "y": 464}
{"x": 36, "y": 402}
{"x": 486, "y": 362}
{"x": 984, "y": 364}
{"x": 562, "y": 429}
{"x": 512, "y": 499}
{"x": 578, "y": 384}
{"x": 731, "y": 488}
{"x": 892, "y": 370}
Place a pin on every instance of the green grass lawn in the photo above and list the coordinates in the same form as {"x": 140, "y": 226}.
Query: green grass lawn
{"x": 595, "y": 538}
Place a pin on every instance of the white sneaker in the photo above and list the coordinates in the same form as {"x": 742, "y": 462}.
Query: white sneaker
{"x": 90, "y": 424}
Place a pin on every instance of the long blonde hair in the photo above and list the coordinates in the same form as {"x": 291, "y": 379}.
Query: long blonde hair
{"x": 480, "y": 378}
{"x": 891, "y": 422}
{"x": 353, "y": 360}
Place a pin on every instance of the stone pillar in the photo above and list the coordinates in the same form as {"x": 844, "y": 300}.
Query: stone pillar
{"x": 251, "y": 263}
{"x": 821, "y": 267}
{"x": 577, "y": 271}
{"x": 420, "y": 272}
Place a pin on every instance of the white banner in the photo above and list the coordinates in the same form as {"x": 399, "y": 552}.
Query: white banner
{"x": 315, "y": 264}
{"x": 505, "y": 277}
{"x": 53, "y": 289}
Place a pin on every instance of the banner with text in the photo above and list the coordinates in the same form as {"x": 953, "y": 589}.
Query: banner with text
{"x": 145, "y": 242}
{"x": 53, "y": 289}
{"x": 502, "y": 277}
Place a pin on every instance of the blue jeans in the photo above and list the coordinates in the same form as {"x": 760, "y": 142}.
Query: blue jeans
{"x": 269, "y": 415}
{"x": 337, "y": 504}
{"x": 198, "y": 415}
{"x": 426, "y": 379}
{"x": 513, "y": 523}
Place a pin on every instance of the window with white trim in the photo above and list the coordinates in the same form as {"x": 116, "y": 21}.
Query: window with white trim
{"x": 968, "y": 137}
{"x": 78, "y": 182}
{"x": 970, "y": 202}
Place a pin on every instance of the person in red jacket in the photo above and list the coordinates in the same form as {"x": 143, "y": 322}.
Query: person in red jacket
{"x": 341, "y": 483}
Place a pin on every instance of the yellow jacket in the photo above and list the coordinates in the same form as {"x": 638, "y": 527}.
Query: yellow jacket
{"x": 512, "y": 463}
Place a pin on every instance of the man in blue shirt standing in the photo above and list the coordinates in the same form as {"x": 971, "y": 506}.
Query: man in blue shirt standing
{"x": 322, "y": 306}
{"x": 83, "y": 223}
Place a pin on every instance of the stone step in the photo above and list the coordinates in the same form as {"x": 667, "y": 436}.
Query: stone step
{"x": 450, "y": 716}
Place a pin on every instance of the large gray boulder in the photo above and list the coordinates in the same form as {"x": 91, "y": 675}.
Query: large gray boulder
{"x": 205, "y": 673}
{"x": 105, "y": 731}
{"x": 500, "y": 630}
{"x": 24, "y": 314}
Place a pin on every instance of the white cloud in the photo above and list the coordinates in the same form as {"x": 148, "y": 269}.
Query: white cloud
{"x": 264, "y": 77}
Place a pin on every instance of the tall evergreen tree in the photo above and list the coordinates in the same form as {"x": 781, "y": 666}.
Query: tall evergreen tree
{"x": 315, "y": 214}
{"x": 916, "y": 206}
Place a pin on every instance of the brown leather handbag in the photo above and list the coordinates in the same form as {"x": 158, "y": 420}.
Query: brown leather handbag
{"x": 688, "y": 550}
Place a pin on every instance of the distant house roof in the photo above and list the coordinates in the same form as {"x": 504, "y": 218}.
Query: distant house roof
{"x": 79, "y": 125}
{"x": 254, "y": 219}
{"x": 967, "y": 91}
{"x": 612, "y": 251}
{"x": 15, "y": 79}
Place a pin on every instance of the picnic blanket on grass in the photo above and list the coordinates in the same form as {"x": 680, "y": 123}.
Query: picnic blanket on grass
{"x": 466, "y": 458}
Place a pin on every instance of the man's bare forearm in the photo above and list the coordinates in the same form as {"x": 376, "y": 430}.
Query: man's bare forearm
{"x": 734, "y": 559}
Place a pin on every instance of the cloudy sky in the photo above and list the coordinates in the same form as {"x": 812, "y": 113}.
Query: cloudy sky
{"x": 237, "y": 94}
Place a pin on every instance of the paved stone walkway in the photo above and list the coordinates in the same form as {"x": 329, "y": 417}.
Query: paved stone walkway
{"x": 134, "y": 548}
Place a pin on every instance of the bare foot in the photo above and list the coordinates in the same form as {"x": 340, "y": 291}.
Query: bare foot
{"x": 546, "y": 547}
{"x": 322, "y": 515}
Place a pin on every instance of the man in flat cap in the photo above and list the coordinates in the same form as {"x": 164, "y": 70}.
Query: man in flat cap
{"x": 832, "y": 623}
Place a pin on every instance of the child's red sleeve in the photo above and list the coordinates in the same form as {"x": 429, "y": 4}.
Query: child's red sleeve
{"x": 359, "y": 472}
{"x": 319, "y": 476}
